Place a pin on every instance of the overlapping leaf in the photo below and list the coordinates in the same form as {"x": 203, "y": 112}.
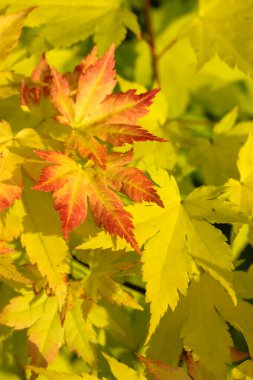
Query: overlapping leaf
{"x": 122, "y": 371}
{"x": 241, "y": 191}
{"x": 23, "y": 311}
{"x": 46, "y": 332}
{"x": 45, "y": 336}
{"x": 35, "y": 92}
{"x": 217, "y": 155}
{"x": 94, "y": 113}
{"x": 183, "y": 235}
{"x": 162, "y": 371}
{"x": 223, "y": 29}
{"x": 73, "y": 184}
{"x": 107, "y": 20}
{"x": 101, "y": 282}
{"x": 10, "y": 179}
{"x": 10, "y": 30}
{"x": 8, "y": 269}
{"x": 80, "y": 335}
{"x": 53, "y": 375}
{"x": 187, "y": 262}
{"x": 44, "y": 245}
{"x": 199, "y": 324}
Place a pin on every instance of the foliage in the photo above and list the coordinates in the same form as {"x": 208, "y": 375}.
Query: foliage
{"x": 126, "y": 190}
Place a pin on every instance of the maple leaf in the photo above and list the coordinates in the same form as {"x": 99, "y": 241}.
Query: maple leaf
{"x": 10, "y": 223}
{"x": 94, "y": 113}
{"x": 241, "y": 191}
{"x": 53, "y": 375}
{"x": 35, "y": 92}
{"x": 106, "y": 20}
{"x": 169, "y": 330}
{"x": 19, "y": 145}
{"x": 100, "y": 282}
{"x": 80, "y": 335}
{"x": 9, "y": 83}
{"x": 8, "y": 269}
{"x": 202, "y": 340}
{"x": 122, "y": 371}
{"x": 10, "y": 30}
{"x": 183, "y": 235}
{"x": 10, "y": 178}
{"x": 217, "y": 155}
{"x": 44, "y": 246}
{"x": 73, "y": 184}
{"x": 45, "y": 336}
{"x": 210, "y": 35}
{"x": 23, "y": 311}
{"x": 162, "y": 371}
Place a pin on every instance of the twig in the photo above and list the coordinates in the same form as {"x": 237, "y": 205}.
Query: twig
{"x": 150, "y": 31}
{"x": 134, "y": 287}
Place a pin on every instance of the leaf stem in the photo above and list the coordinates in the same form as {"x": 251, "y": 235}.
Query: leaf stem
{"x": 151, "y": 40}
{"x": 166, "y": 48}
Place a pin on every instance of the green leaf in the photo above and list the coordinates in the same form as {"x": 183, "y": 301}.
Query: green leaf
{"x": 9, "y": 83}
{"x": 107, "y": 20}
{"x": 217, "y": 156}
{"x": 23, "y": 311}
{"x": 241, "y": 191}
{"x": 45, "y": 337}
{"x": 41, "y": 236}
{"x": 10, "y": 30}
{"x": 121, "y": 371}
{"x": 52, "y": 375}
{"x": 204, "y": 329}
{"x": 223, "y": 29}
{"x": 244, "y": 371}
{"x": 8, "y": 268}
{"x": 169, "y": 330}
{"x": 210, "y": 203}
{"x": 79, "y": 334}
{"x": 182, "y": 237}
{"x": 240, "y": 317}
{"x": 10, "y": 222}
{"x": 243, "y": 282}
{"x": 100, "y": 283}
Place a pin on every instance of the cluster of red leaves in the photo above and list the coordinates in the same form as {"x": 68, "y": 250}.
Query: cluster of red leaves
{"x": 98, "y": 119}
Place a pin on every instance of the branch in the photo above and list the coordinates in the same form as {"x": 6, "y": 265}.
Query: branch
{"x": 150, "y": 31}
{"x": 134, "y": 287}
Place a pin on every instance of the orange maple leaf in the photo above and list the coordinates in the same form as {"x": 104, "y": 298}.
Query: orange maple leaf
{"x": 33, "y": 91}
{"x": 96, "y": 115}
{"x": 73, "y": 184}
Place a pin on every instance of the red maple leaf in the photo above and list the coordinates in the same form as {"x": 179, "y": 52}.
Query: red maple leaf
{"x": 97, "y": 116}
{"x": 74, "y": 184}
{"x": 38, "y": 87}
